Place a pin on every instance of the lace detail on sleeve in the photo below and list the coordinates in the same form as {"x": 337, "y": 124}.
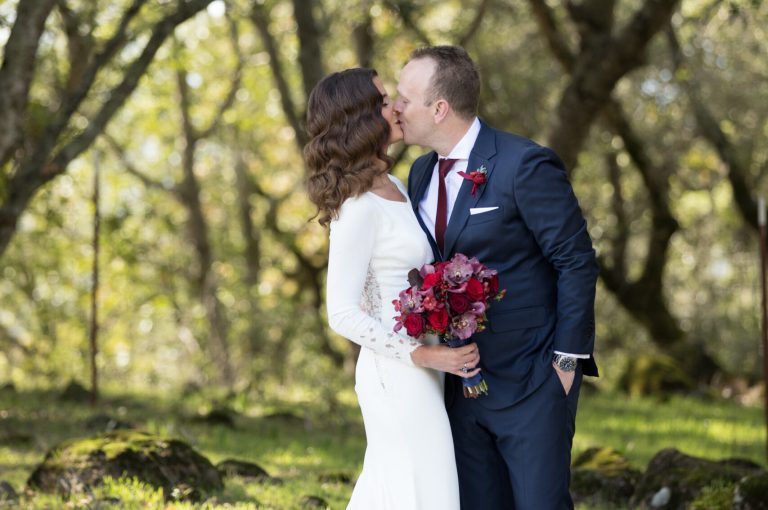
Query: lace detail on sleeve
{"x": 371, "y": 298}
{"x": 354, "y": 298}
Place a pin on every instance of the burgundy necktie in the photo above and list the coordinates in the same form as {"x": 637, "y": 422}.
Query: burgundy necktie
{"x": 441, "y": 219}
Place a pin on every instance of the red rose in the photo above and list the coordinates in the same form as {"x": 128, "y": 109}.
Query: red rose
{"x": 414, "y": 325}
{"x": 475, "y": 289}
{"x": 493, "y": 285}
{"x": 430, "y": 281}
{"x": 438, "y": 320}
{"x": 458, "y": 302}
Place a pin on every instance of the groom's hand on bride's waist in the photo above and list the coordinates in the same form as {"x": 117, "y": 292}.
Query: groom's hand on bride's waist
{"x": 448, "y": 359}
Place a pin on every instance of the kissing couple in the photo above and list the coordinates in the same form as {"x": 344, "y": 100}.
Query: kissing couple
{"x": 429, "y": 447}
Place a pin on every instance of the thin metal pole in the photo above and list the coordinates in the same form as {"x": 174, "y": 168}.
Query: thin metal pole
{"x": 761, "y": 221}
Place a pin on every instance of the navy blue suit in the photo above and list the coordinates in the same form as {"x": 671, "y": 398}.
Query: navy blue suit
{"x": 513, "y": 445}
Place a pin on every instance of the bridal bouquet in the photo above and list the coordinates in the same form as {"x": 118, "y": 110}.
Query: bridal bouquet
{"x": 449, "y": 299}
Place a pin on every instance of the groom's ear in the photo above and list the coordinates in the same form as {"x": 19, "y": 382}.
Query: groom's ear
{"x": 440, "y": 109}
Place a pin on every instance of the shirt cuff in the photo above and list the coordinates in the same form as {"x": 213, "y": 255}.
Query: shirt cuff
{"x": 569, "y": 355}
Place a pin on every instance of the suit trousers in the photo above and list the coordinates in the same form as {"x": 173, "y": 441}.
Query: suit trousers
{"x": 516, "y": 458}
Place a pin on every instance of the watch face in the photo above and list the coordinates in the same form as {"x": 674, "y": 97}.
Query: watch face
{"x": 567, "y": 364}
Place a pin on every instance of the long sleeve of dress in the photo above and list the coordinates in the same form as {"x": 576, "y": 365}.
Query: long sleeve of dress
{"x": 352, "y": 294}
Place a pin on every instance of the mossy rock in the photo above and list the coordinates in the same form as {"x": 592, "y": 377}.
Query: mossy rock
{"x": 14, "y": 439}
{"x": 285, "y": 417}
{"x": 687, "y": 478}
{"x": 751, "y": 493}
{"x": 77, "y": 465}
{"x": 233, "y": 467}
{"x": 654, "y": 375}
{"x": 7, "y": 493}
{"x": 603, "y": 476}
{"x": 310, "y": 502}
{"x": 338, "y": 477}
{"x": 715, "y": 497}
{"x": 220, "y": 416}
{"x": 75, "y": 392}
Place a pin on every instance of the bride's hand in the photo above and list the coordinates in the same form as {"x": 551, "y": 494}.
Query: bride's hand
{"x": 448, "y": 359}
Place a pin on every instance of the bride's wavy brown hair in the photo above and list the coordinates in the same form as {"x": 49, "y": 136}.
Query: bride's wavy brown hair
{"x": 348, "y": 141}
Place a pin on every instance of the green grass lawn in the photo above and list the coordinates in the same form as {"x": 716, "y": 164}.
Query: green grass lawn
{"x": 317, "y": 441}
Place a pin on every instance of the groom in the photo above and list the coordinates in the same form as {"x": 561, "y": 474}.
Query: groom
{"x": 513, "y": 446}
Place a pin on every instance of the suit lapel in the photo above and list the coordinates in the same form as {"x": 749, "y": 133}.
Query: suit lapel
{"x": 422, "y": 177}
{"x": 482, "y": 152}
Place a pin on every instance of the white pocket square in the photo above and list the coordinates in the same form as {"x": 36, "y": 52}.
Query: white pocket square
{"x": 481, "y": 210}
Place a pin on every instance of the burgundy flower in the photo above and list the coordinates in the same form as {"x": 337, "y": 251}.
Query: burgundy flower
{"x": 475, "y": 289}
{"x": 414, "y": 325}
{"x": 438, "y": 320}
{"x": 478, "y": 178}
{"x": 493, "y": 285}
{"x": 459, "y": 303}
{"x": 431, "y": 280}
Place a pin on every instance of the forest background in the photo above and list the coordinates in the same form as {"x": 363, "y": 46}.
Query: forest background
{"x": 211, "y": 272}
{"x": 187, "y": 117}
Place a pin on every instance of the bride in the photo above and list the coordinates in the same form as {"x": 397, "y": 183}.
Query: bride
{"x": 375, "y": 239}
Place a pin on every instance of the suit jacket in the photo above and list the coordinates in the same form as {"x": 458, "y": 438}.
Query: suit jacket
{"x": 538, "y": 242}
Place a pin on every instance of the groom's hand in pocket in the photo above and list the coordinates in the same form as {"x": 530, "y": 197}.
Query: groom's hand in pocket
{"x": 448, "y": 359}
{"x": 566, "y": 378}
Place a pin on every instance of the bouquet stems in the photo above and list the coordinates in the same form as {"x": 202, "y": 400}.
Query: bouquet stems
{"x": 474, "y": 386}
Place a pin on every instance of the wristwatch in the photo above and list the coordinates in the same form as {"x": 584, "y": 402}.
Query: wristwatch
{"x": 565, "y": 363}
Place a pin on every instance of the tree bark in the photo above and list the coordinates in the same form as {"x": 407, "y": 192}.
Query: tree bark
{"x": 310, "y": 39}
{"x": 736, "y": 160}
{"x": 189, "y": 194}
{"x": 603, "y": 58}
{"x": 17, "y": 71}
{"x": 260, "y": 18}
{"x": 309, "y": 273}
{"x": 251, "y": 253}
{"x": 94, "y": 330}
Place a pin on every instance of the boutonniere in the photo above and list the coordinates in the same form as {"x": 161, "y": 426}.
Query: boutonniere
{"x": 478, "y": 178}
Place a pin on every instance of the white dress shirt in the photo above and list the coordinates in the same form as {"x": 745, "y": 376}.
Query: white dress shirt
{"x": 453, "y": 182}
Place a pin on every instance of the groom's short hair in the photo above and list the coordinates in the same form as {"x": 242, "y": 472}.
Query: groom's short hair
{"x": 456, "y": 78}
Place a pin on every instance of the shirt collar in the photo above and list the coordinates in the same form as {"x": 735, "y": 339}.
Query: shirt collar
{"x": 463, "y": 149}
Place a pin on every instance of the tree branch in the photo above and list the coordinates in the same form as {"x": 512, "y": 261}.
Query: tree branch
{"x": 17, "y": 71}
{"x": 405, "y": 11}
{"x": 120, "y": 93}
{"x": 234, "y": 82}
{"x": 72, "y": 101}
{"x": 120, "y": 151}
{"x": 79, "y": 48}
{"x": 736, "y": 162}
{"x": 621, "y": 239}
{"x": 287, "y": 239}
{"x": 260, "y": 18}
{"x": 363, "y": 36}
{"x": 474, "y": 25}
{"x": 548, "y": 26}
{"x": 310, "y": 54}
{"x": 602, "y": 61}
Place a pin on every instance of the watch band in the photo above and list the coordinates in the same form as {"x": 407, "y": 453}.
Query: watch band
{"x": 565, "y": 363}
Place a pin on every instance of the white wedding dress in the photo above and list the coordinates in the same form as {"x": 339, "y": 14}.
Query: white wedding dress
{"x": 409, "y": 462}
